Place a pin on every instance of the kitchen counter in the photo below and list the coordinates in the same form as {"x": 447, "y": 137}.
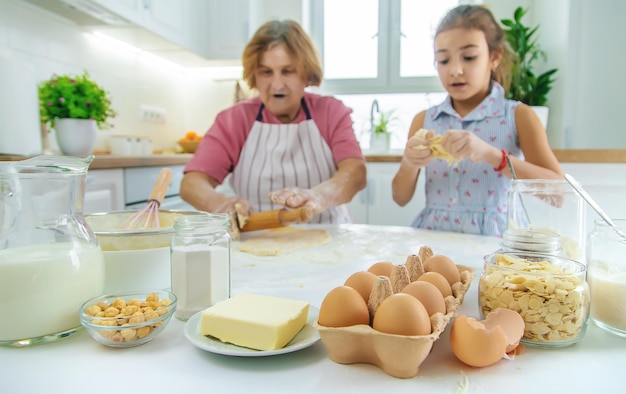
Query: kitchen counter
{"x": 170, "y": 363}
{"x": 563, "y": 155}
{"x": 393, "y": 156}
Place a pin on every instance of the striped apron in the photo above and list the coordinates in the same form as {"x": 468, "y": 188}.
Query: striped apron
{"x": 278, "y": 156}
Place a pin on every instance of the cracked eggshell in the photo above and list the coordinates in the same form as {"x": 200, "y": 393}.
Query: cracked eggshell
{"x": 483, "y": 343}
{"x": 510, "y": 321}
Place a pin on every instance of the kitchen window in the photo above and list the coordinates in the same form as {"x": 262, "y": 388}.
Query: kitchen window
{"x": 372, "y": 46}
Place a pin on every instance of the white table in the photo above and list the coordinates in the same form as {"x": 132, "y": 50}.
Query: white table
{"x": 171, "y": 364}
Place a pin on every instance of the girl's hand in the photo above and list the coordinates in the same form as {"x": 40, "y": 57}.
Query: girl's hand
{"x": 463, "y": 143}
{"x": 416, "y": 152}
{"x": 295, "y": 197}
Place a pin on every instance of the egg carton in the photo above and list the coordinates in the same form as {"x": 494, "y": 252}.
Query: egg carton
{"x": 398, "y": 355}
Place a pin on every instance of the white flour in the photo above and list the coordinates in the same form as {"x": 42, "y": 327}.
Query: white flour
{"x": 200, "y": 277}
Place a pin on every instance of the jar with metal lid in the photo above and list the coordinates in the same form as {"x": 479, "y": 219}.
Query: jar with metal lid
{"x": 200, "y": 258}
{"x": 551, "y": 206}
{"x": 606, "y": 257}
{"x": 549, "y": 292}
{"x": 529, "y": 240}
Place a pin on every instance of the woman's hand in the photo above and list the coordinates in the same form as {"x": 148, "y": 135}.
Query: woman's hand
{"x": 295, "y": 197}
{"x": 417, "y": 154}
{"x": 463, "y": 143}
{"x": 227, "y": 204}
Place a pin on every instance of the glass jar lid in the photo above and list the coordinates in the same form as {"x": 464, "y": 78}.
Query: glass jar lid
{"x": 530, "y": 239}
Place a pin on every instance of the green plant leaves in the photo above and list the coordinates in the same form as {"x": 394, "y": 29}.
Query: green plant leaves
{"x": 525, "y": 85}
{"x": 76, "y": 97}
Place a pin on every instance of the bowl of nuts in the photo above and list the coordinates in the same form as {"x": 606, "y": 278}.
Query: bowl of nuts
{"x": 128, "y": 319}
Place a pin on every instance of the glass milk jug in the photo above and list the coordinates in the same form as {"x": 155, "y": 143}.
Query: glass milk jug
{"x": 549, "y": 206}
{"x": 50, "y": 261}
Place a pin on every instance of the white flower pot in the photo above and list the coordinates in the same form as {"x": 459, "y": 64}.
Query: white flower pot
{"x": 76, "y": 137}
{"x": 380, "y": 142}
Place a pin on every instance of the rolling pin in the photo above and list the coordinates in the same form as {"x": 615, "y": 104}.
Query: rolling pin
{"x": 276, "y": 218}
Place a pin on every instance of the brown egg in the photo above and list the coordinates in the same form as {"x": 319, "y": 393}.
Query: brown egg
{"x": 402, "y": 314}
{"x": 428, "y": 294}
{"x": 443, "y": 265}
{"x": 362, "y": 281}
{"x": 382, "y": 268}
{"x": 343, "y": 306}
{"x": 439, "y": 281}
{"x": 483, "y": 343}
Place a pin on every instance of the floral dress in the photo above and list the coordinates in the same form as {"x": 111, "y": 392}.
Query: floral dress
{"x": 470, "y": 197}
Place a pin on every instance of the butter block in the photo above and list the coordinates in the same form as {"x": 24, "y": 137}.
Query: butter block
{"x": 255, "y": 321}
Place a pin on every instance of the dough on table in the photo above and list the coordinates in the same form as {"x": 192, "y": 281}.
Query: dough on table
{"x": 284, "y": 240}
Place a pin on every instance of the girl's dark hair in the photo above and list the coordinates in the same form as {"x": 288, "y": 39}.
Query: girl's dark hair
{"x": 480, "y": 18}
{"x": 297, "y": 43}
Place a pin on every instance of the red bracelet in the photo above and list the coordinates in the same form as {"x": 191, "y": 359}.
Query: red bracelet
{"x": 503, "y": 162}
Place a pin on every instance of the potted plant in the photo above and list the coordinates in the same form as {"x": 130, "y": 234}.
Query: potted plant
{"x": 75, "y": 107}
{"x": 525, "y": 86}
{"x": 380, "y": 137}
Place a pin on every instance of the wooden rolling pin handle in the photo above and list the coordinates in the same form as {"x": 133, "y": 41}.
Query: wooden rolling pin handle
{"x": 295, "y": 215}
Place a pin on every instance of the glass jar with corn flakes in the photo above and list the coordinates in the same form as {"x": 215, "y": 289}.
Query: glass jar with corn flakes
{"x": 549, "y": 292}
{"x": 606, "y": 257}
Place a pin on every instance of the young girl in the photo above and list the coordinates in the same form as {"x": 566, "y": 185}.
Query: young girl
{"x": 480, "y": 128}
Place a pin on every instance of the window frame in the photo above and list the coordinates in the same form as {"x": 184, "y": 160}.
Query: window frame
{"x": 389, "y": 44}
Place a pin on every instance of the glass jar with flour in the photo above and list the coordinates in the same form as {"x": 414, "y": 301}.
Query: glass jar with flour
{"x": 606, "y": 258}
{"x": 200, "y": 252}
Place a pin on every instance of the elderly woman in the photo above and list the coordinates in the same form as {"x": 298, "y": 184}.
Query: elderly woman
{"x": 284, "y": 148}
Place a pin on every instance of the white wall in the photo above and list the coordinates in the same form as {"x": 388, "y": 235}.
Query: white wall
{"x": 50, "y": 44}
{"x": 582, "y": 39}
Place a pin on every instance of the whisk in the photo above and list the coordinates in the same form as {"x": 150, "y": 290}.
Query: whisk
{"x": 148, "y": 217}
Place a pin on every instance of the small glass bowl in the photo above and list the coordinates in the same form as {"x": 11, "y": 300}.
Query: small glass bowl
{"x": 127, "y": 319}
{"x": 549, "y": 292}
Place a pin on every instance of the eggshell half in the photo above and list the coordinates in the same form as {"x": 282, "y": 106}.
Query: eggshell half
{"x": 438, "y": 280}
{"x": 343, "y": 306}
{"x": 475, "y": 345}
{"x": 428, "y": 294}
{"x": 382, "y": 268}
{"x": 510, "y": 321}
{"x": 402, "y": 314}
{"x": 445, "y": 266}
{"x": 363, "y": 282}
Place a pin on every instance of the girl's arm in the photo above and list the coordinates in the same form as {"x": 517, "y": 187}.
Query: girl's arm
{"x": 405, "y": 180}
{"x": 540, "y": 162}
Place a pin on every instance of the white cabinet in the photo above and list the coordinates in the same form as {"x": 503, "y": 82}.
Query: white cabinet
{"x": 375, "y": 205}
{"x": 104, "y": 191}
{"x": 224, "y": 27}
{"x": 165, "y": 18}
{"x": 213, "y": 29}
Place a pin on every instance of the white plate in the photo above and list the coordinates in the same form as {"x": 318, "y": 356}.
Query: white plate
{"x": 306, "y": 337}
